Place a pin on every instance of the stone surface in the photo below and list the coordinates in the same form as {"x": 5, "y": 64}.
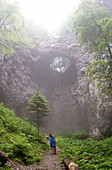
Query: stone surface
{"x": 16, "y": 86}
{"x": 73, "y": 100}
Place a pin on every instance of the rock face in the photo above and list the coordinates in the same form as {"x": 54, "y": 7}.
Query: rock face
{"x": 99, "y": 109}
{"x": 15, "y": 84}
{"x": 73, "y": 100}
{"x": 66, "y": 99}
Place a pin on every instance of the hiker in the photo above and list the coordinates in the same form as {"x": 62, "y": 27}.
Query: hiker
{"x": 53, "y": 144}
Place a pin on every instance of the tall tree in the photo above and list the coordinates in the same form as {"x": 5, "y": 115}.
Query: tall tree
{"x": 94, "y": 26}
{"x": 39, "y": 108}
{"x": 13, "y": 32}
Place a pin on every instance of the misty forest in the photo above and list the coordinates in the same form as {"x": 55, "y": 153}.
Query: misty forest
{"x": 56, "y": 85}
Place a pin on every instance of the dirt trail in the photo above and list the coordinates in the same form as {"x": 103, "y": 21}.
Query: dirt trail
{"x": 49, "y": 162}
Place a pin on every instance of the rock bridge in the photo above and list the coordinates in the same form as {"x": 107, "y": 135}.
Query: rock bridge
{"x": 58, "y": 69}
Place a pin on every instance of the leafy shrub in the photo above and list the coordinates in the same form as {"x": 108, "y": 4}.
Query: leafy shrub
{"x": 66, "y": 132}
{"x": 89, "y": 154}
{"x": 5, "y": 167}
{"x": 80, "y": 135}
{"x": 18, "y": 138}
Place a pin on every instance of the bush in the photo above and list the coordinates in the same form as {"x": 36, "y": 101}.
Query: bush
{"x": 66, "y": 132}
{"x": 5, "y": 167}
{"x": 89, "y": 154}
{"x": 18, "y": 138}
{"x": 80, "y": 135}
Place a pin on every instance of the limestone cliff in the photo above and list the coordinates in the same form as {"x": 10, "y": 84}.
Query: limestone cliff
{"x": 73, "y": 100}
{"x": 15, "y": 84}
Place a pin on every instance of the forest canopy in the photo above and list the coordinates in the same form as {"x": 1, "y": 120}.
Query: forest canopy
{"x": 15, "y": 31}
{"x": 93, "y": 24}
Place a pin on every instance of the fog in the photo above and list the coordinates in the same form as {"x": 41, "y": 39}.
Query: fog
{"x": 50, "y": 14}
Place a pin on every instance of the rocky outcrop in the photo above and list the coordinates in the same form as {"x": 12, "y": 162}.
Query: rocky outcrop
{"x": 74, "y": 102}
{"x": 16, "y": 86}
{"x": 99, "y": 108}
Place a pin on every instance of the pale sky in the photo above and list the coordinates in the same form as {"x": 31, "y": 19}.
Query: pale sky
{"x": 48, "y": 13}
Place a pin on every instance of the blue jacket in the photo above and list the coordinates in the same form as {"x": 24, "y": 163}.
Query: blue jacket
{"x": 52, "y": 141}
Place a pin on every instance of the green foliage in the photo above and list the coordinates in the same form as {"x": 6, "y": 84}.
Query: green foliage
{"x": 89, "y": 154}
{"x": 18, "y": 138}
{"x": 80, "y": 135}
{"x": 60, "y": 64}
{"x": 13, "y": 32}
{"x": 37, "y": 32}
{"x": 38, "y": 104}
{"x": 5, "y": 167}
{"x": 94, "y": 25}
{"x": 66, "y": 132}
{"x": 38, "y": 107}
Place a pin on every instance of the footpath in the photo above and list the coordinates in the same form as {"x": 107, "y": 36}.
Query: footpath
{"x": 49, "y": 162}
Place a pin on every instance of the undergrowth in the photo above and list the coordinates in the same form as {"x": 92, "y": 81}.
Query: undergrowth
{"x": 18, "y": 138}
{"x": 89, "y": 154}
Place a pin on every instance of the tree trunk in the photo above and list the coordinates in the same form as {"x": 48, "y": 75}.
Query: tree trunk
{"x": 38, "y": 127}
{"x": 3, "y": 157}
{"x": 38, "y": 131}
{"x": 70, "y": 164}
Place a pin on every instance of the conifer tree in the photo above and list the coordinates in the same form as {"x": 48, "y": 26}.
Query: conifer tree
{"x": 38, "y": 107}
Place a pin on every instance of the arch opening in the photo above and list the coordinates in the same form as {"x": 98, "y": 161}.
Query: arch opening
{"x": 60, "y": 64}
